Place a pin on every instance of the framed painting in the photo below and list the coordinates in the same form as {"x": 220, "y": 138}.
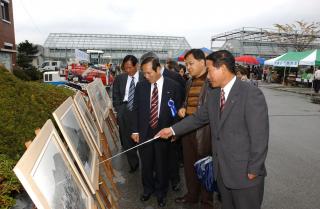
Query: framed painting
{"x": 49, "y": 175}
{"x": 88, "y": 120}
{"x": 78, "y": 141}
{"x": 98, "y": 104}
{"x": 104, "y": 93}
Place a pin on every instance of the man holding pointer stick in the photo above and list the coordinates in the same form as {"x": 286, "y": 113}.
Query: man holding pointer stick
{"x": 238, "y": 116}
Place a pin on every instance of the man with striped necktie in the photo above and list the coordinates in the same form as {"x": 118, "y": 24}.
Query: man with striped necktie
{"x": 122, "y": 96}
{"x": 154, "y": 107}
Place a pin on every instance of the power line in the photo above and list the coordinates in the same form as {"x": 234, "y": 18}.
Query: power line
{"x": 32, "y": 21}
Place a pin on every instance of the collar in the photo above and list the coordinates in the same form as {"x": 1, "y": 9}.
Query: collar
{"x": 136, "y": 76}
{"x": 162, "y": 69}
{"x": 228, "y": 87}
{"x": 159, "y": 82}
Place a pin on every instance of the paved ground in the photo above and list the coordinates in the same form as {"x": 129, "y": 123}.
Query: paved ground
{"x": 293, "y": 162}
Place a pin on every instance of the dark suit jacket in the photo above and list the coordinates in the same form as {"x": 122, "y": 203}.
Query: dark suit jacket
{"x": 119, "y": 89}
{"x": 177, "y": 78}
{"x": 141, "y": 106}
{"x": 240, "y": 136}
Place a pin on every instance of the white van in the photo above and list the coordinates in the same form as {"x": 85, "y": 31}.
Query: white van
{"x": 51, "y": 66}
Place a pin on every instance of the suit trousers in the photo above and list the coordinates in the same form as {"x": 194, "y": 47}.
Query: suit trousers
{"x": 190, "y": 156}
{"x": 174, "y": 163}
{"x": 316, "y": 85}
{"x": 248, "y": 198}
{"x": 155, "y": 170}
{"x": 125, "y": 136}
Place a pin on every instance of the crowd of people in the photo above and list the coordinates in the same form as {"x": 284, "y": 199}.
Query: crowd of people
{"x": 207, "y": 107}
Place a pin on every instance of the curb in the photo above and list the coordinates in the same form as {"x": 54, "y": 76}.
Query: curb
{"x": 314, "y": 96}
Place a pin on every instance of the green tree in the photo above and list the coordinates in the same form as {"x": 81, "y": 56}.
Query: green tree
{"x": 300, "y": 35}
{"x": 26, "y": 51}
{"x": 25, "y": 70}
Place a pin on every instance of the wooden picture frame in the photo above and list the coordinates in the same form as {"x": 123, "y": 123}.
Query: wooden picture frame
{"x": 88, "y": 121}
{"x": 49, "y": 175}
{"x": 104, "y": 93}
{"x": 78, "y": 141}
{"x": 98, "y": 104}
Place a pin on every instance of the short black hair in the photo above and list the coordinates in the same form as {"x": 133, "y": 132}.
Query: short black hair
{"x": 197, "y": 54}
{"x": 155, "y": 62}
{"x": 127, "y": 58}
{"x": 131, "y": 58}
{"x": 223, "y": 57}
{"x": 181, "y": 66}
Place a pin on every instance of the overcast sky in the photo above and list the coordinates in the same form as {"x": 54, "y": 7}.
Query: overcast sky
{"x": 197, "y": 20}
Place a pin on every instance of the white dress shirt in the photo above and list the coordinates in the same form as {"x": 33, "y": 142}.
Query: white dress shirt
{"x": 136, "y": 79}
{"x": 159, "y": 86}
{"x": 228, "y": 87}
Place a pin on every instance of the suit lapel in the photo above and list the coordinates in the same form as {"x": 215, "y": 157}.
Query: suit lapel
{"x": 148, "y": 99}
{"x": 232, "y": 99}
{"x": 124, "y": 84}
{"x": 216, "y": 107}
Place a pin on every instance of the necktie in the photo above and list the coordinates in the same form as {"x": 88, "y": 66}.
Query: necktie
{"x": 222, "y": 100}
{"x": 154, "y": 107}
{"x": 131, "y": 94}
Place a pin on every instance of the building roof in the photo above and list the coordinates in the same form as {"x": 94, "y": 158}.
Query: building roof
{"x": 115, "y": 42}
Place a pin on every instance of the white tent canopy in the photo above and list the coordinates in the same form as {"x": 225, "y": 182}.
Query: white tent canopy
{"x": 310, "y": 59}
{"x": 273, "y": 60}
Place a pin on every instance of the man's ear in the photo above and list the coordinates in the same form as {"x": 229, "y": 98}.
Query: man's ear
{"x": 203, "y": 62}
{"x": 159, "y": 69}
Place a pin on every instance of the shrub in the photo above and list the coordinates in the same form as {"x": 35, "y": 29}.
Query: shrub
{"x": 8, "y": 182}
{"x": 25, "y": 106}
{"x": 31, "y": 74}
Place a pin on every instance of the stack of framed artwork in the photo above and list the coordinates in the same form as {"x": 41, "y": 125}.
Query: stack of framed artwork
{"x": 64, "y": 173}
{"x": 49, "y": 175}
{"x": 98, "y": 97}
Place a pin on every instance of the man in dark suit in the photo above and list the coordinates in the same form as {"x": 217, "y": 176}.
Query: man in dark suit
{"x": 238, "y": 116}
{"x": 176, "y": 148}
{"x": 122, "y": 97}
{"x": 152, "y": 112}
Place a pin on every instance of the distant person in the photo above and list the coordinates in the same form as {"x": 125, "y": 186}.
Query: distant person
{"x": 265, "y": 73}
{"x": 183, "y": 72}
{"x": 317, "y": 80}
{"x": 172, "y": 65}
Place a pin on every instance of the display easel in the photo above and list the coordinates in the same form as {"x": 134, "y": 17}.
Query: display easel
{"x": 106, "y": 165}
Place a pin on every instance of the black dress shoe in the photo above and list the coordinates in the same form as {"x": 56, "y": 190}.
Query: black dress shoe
{"x": 134, "y": 169}
{"x": 161, "y": 202}
{"x": 185, "y": 199}
{"x": 145, "y": 197}
{"x": 176, "y": 187}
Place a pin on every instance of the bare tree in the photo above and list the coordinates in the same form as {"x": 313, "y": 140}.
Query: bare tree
{"x": 300, "y": 35}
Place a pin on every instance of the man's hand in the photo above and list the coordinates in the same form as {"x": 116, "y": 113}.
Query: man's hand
{"x": 182, "y": 112}
{"x": 165, "y": 133}
{"x": 135, "y": 137}
{"x": 251, "y": 176}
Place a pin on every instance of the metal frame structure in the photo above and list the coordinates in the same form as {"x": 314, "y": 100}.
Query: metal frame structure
{"x": 61, "y": 46}
{"x": 258, "y": 42}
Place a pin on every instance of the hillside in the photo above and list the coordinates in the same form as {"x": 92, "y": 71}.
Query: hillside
{"x": 24, "y": 106}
